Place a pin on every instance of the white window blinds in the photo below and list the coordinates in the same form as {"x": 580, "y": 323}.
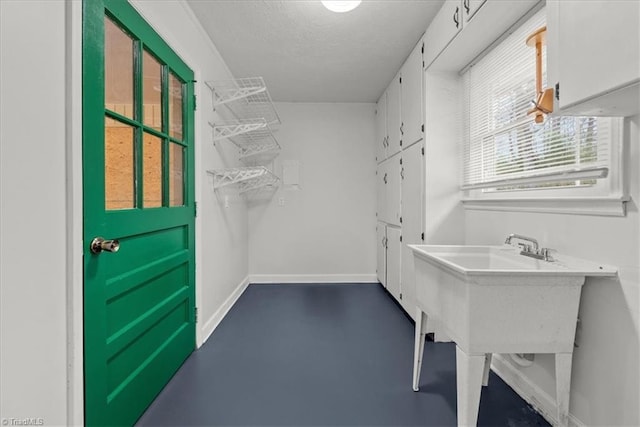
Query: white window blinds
{"x": 504, "y": 148}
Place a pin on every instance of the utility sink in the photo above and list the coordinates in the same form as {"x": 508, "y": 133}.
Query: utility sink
{"x": 492, "y": 299}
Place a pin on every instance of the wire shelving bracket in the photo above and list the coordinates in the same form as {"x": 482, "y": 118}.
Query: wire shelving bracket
{"x": 246, "y": 98}
{"x": 249, "y": 178}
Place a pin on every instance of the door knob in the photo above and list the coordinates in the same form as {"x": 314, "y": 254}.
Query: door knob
{"x": 99, "y": 244}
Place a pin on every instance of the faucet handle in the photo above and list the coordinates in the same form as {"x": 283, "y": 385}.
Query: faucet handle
{"x": 546, "y": 254}
{"x": 525, "y": 247}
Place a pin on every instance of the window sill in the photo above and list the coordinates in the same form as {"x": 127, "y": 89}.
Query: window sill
{"x": 599, "y": 206}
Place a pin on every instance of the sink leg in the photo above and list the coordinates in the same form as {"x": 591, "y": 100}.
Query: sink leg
{"x": 470, "y": 370}
{"x": 487, "y": 369}
{"x": 563, "y": 386}
{"x": 418, "y": 349}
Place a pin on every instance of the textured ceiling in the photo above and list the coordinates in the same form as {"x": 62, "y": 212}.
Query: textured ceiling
{"x": 308, "y": 54}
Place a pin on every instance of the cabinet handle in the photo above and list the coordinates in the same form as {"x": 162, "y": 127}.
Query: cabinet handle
{"x": 385, "y": 178}
{"x": 386, "y": 141}
{"x": 402, "y": 173}
{"x": 384, "y": 242}
{"x": 465, "y": 3}
{"x": 402, "y": 129}
{"x": 456, "y": 18}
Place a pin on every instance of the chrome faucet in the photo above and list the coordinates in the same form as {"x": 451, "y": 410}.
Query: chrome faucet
{"x": 531, "y": 250}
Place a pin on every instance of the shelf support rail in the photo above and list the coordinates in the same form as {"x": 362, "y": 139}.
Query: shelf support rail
{"x": 235, "y": 128}
{"x": 247, "y": 178}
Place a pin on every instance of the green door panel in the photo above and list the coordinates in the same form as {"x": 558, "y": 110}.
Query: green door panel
{"x": 138, "y": 188}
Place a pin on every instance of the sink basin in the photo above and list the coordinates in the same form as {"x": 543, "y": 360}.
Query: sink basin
{"x": 491, "y": 299}
{"x": 504, "y": 261}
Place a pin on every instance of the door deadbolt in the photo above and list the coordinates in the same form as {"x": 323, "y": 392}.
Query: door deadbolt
{"x": 99, "y": 245}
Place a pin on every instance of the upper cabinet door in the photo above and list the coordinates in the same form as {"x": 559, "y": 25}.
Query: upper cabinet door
{"x": 393, "y": 117}
{"x": 596, "y": 49}
{"x": 382, "y": 176}
{"x": 470, "y": 7}
{"x": 382, "y": 137}
{"x": 444, "y": 27}
{"x": 393, "y": 195}
{"x": 411, "y": 98}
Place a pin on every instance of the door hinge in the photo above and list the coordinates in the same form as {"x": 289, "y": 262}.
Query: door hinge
{"x": 401, "y": 221}
{"x": 401, "y": 160}
{"x": 422, "y": 50}
{"x": 401, "y": 238}
{"x": 558, "y": 91}
{"x": 400, "y": 295}
{"x": 195, "y": 209}
{"x": 195, "y": 103}
{"x": 195, "y": 314}
{"x": 422, "y": 237}
{"x": 422, "y": 128}
{"x": 400, "y": 79}
{"x": 422, "y": 149}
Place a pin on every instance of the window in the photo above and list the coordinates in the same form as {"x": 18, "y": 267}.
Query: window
{"x": 507, "y": 155}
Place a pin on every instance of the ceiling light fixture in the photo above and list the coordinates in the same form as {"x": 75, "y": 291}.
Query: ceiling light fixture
{"x": 341, "y": 6}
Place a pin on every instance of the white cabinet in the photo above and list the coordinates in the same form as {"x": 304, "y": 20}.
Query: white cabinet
{"x": 444, "y": 27}
{"x": 381, "y": 253}
{"x": 393, "y": 117}
{"x": 388, "y": 186}
{"x": 412, "y": 219}
{"x": 469, "y": 8}
{"x": 450, "y": 47}
{"x": 382, "y": 136}
{"x": 394, "y": 237}
{"x": 594, "y": 55}
{"x": 411, "y": 97}
{"x": 381, "y": 189}
{"x": 393, "y": 190}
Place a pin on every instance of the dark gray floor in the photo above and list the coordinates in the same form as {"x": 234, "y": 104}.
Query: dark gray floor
{"x": 322, "y": 355}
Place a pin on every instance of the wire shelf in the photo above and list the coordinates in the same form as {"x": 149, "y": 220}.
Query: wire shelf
{"x": 247, "y": 98}
{"x": 248, "y": 179}
{"x": 254, "y": 138}
{"x": 261, "y": 155}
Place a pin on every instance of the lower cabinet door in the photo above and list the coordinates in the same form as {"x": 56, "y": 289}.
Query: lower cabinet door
{"x": 394, "y": 252}
{"x": 412, "y": 214}
{"x": 381, "y": 254}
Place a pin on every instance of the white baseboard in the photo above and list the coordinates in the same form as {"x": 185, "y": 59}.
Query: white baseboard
{"x": 313, "y": 278}
{"x": 212, "y": 323}
{"x": 531, "y": 393}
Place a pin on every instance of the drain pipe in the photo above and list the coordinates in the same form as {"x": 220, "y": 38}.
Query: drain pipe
{"x": 522, "y": 359}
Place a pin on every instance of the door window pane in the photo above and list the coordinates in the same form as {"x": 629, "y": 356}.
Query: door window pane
{"x": 176, "y": 175}
{"x": 152, "y": 91}
{"x": 119, "y": 165}
{"x": 175, "y": 107}
{"x": 152, "y": 171}
{"x": 118, "y": 64}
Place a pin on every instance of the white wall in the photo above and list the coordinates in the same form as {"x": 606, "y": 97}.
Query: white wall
{"x": 325, "y": 231}
{"x": 33, "y": 285}
{"x": 605, "y": 387}
{"x": 41, "y": 198}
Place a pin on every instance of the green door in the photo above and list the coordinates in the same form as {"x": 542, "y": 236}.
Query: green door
{"x": 139, "y": 320}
